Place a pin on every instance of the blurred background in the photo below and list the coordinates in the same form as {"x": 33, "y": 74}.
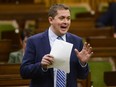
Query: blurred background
{"x": 91, "y": 19}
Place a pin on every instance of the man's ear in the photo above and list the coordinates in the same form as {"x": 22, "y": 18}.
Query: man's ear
{"x": 50, "y": 20}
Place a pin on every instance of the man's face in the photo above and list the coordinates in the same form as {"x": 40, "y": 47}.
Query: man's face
{"x": 61, "y": 22}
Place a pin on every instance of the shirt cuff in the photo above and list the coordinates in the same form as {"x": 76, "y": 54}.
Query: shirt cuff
{"x": 44, "y": 70}
{"x": 82, "y": 64}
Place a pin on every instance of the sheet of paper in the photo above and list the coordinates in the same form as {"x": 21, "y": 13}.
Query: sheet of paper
{"x": 61, "y": 51}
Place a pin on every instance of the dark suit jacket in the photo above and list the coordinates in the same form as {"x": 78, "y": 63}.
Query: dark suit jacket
{"x": 113, "y": 14}
{"x": 37, "y": 46}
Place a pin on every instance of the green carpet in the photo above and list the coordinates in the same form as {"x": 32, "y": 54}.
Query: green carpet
{"x": 6, "y": 27}
{"x": 97, "y": 70}
{"x": 76, "y": 10}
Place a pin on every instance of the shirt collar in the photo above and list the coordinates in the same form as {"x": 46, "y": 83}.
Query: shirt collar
{"x": 53, "y": 36}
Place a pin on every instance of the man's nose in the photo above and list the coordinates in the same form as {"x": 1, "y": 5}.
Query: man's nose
{"x": 65, "y": 21}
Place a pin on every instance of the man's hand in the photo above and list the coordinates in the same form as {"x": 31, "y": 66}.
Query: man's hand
{"x": 47, "y": 60}
{"x": 85, "y": 54}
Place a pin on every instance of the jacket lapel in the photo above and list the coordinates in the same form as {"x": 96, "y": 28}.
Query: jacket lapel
{"x": 46, "y": 43}
{"x": 68, "y": 38}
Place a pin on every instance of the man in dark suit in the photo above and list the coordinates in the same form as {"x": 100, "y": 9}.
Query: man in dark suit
{"x": 108, "y": 18}
{"x": 16, "y": 56}
{"x": 37, "y": 58}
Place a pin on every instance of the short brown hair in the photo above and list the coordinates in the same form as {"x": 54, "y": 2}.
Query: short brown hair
{"x": 53, "y": 10}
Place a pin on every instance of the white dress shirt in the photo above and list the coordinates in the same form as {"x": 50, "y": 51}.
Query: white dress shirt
{"x": 52, "y": 37}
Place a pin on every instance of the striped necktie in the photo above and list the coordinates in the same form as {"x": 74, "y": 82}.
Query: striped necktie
{"x": 60, "y": 78}
{"x": 61, "y": 75}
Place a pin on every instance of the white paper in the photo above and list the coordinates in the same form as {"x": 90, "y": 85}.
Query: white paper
{"x": 61, "y": 51}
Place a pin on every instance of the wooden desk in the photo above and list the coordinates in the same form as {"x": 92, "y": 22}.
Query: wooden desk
{"x": 103, "y": 47}
{"x": 10, "y": 76}
{"x": 22, "y": 12}
{"x": 110, "y": 78}
{"x": 5, "y": 49}
{"x": 92, "y": 32}
{"x": 82, "y": 23}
